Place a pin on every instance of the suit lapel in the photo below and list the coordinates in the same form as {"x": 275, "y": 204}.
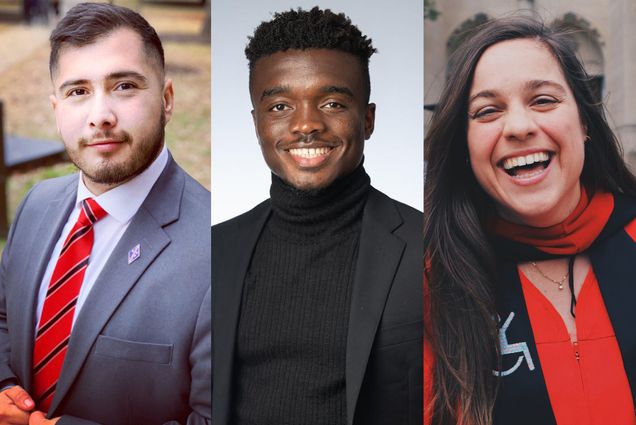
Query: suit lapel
{"x": 48, "y": 232}
{"x": 111, "y": 287}
{"x": 117, "y": 278}
{"x": 378, "y": 259}
{"x": 229, "y": 268}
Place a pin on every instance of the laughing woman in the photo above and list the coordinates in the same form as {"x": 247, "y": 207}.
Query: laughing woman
{"x": 530, "y": 236}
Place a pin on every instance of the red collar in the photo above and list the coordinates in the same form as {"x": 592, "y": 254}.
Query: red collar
{"x": 572, "y": 236}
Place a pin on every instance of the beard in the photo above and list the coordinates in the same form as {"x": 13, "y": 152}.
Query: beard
{"x": 109, "y": 171}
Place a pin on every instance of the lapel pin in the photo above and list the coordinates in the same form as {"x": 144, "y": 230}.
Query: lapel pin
{"x": 134, "y": 253}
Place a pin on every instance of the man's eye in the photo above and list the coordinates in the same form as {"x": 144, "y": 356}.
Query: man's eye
{"x": 279, "y": 107}
{"x": 76, "y": 92}
{"x": 125, "y": 86}
{"x": 334, "y": 105}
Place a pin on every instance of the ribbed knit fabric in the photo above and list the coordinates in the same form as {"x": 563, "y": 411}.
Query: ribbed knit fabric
{"x": 292, "y": 335}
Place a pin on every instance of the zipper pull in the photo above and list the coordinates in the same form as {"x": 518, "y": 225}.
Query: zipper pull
{"x": 576, "y": 351}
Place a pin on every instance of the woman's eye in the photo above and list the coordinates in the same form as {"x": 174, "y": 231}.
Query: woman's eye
{"x": 545, "y": 100}
{"x": 484, "y": 112}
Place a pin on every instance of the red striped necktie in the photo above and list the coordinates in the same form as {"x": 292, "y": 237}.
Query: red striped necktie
{"x": 54, "y": 329}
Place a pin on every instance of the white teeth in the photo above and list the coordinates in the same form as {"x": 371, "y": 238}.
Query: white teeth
{"x": 529, "y": 175}
{"x": 530, "y": 159}
{"x": 309, "y": 152}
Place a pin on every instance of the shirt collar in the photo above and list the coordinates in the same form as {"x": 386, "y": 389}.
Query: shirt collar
{"x": 123, "y": 201}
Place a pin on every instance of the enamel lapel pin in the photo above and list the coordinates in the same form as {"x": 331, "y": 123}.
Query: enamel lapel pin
{"x": 134, "y": 254}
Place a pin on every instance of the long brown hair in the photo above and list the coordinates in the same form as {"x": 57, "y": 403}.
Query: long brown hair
{"x": 461, "y": 265}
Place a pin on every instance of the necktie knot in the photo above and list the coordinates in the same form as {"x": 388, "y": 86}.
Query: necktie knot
{"x": 91, "y": 212}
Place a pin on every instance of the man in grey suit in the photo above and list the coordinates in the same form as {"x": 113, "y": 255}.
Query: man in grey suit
{"x": 105, "y": 278}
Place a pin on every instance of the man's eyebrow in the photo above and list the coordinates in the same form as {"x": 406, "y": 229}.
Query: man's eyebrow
{"x": 132, "y": 75}
{"x": 71, "y": 83}
{"x": 337, "y": 89}
{"x": 112, "y": 76}
{"x": 326, "y": 89}
{"x": 274, "y": 91}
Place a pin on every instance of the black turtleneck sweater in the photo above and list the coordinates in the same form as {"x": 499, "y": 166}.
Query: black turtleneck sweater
{"x": 292, "y": 334}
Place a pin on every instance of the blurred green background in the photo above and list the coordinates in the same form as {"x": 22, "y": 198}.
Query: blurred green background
{"x": 25, "y": 84}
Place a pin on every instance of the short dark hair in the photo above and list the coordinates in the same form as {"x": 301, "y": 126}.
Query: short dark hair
{"x": 313, "y": 29}
{"x": 87, "y": 22}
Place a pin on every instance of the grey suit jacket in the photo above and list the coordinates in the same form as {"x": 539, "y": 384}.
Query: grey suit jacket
{"x": 385, "y": 332}
{"x": 140, "y": 349}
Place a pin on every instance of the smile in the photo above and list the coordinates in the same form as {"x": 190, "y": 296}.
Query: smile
{"x": 527, "y": 166}
{"x": 310, "y": 158}
{"x": 309, "y": 152}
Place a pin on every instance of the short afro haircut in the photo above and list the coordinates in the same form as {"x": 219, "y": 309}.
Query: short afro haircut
{"x": 314, "y": 29}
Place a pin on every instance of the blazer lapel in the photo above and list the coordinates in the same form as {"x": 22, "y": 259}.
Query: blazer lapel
{"x": 378, "y": 259}
{"x": 160, "y": 208}
{"x": 229, "y": 268}
{"x": 48, "y": 232}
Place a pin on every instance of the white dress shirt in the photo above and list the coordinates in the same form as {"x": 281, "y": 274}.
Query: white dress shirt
{"x": 121, "y": 203}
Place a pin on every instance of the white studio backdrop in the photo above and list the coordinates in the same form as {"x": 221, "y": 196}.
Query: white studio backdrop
{"x": 393, "y": 154}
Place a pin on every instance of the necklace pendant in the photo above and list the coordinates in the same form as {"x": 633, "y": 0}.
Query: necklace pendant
{"x": 560, "y": 287}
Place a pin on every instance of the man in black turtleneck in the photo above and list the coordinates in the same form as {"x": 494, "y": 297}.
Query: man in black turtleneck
{"x": 317, "y": 292}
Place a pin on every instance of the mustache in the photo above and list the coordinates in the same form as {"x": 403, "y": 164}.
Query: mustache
{"x": 306, "y": 138}
{"x": 312, "y": 138}
{"x": 122, "y": 137}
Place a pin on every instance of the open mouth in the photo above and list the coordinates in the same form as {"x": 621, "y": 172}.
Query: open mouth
{"x": 309, "y": 153}
{"x": 527, "y": 166}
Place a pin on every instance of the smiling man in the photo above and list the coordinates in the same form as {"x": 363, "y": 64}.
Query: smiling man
{"x": 318, "y": 290}
{"x": 105, "y": 278}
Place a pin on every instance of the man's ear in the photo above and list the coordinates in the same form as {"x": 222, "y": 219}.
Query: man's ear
{"x": 168, "y": 98}
{"x": 54, "y": 101}
{"x": 369, "y": 121}
{"x": 255, "y": 126}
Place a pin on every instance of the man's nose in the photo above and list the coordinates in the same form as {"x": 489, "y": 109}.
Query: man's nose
{"x": 519, "y": 123}
{"x": 101, "y": 115}
{"x": 307, "y": 119}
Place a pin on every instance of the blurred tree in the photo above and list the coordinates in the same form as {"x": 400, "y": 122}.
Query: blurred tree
{"x": 429, "y": 10}
{"x": 206, "y": 30}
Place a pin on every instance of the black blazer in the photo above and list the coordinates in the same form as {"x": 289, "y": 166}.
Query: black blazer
{"x": 385, "y": 336}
